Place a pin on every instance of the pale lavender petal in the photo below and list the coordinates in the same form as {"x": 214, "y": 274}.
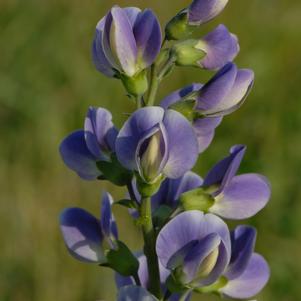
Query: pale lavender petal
{"x": 187, "y": 227}
{"x": 222, "y": 173}
{"x": 132, "y": 131}
{"x": 198, "y": 253}
{"x": 182, "y": 145}
{"x": 243, "y": 197}
{"x": 215, "y": 91}
{"x": 205, "y": 130}
{"x": 132, "y": 13}
{"x": 82, "y": 235}
{"x": 242, "y": 242}
{"x": 239, "y": 92}
{"x": 148, "y": 37}
{"x": 100, "y": 132}
{"x": 122, "y": 41}
{"x": 134, "y": 293}
{"x": 202, "y": 11}
{"x": 179, "y": 94}
{"x": 220, "y": 47}
{"x": 171, "y": 189}
{"x": 251, "y": 282}
{"x": 107, "y": 220}
{"x": 77, "y": 156}
{"x": 99, "y": 58}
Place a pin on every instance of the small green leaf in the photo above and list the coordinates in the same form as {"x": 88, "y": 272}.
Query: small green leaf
{"x": 161, "y": 215}
{"x": 122, "y": 260}
{"x": 114, "y": 172}
{"x": 126, "y": 203}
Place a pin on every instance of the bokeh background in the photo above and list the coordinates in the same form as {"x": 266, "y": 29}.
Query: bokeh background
{"x": 47, "y": 81}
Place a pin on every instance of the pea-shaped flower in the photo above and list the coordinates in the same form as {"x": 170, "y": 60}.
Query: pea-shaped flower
{"x": 127, "y": 40}
{"x": 195, "y": 247}
{"x": 157, "y": 142}
{"x": 197, "y": 13}
{"x": 82, "y": 149}
{"x": 236, "y": 197}
{"x": 84, "y": 234}
{"x": 248, "y": 272}
{"x": 211, "y": 52}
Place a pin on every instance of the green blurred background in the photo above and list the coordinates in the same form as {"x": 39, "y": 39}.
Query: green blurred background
{"x": 47, "y": 81}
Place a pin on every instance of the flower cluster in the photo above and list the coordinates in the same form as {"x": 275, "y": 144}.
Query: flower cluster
{"x": 188, "y": 247}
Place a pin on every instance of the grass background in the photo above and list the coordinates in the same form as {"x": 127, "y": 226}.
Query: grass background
{"x": 47, "y": 81}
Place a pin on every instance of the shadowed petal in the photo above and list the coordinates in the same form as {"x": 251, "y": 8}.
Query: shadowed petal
{"x": 100, "y": 132}
{"x": 243, "y": 197}
{"x": 182, "y": 145}
{"x": 220, "y": 46}
{"x": 205, "y": 129}
{"x": 132, "y": 131}
{"x": 77, "y": 156}
{"x": 251, "y": 281}
{"x": 222, "y": 173}
{"x": 107, "y": 220}
{"x": 242, "y": 242}
{"x": 82, "y": 235}
{"x": 202, "y": 11}
{"x": 214, "y": 92}
{"x": 100, "y": 60}
{"x": 148, "y": 37}
{"x": 171, "y": 189}
{"x": 122, "y": 40}
{"x": 134, "y": 293}
{"x": 179, "y": 94}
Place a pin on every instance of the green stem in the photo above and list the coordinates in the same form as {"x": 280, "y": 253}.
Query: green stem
{"x": 154, "y": 85}
{"x": 149, "y": 247}
{"x": 185, "y": 295}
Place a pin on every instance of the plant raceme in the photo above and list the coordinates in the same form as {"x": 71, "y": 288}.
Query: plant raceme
{"x": 188, "y": 247}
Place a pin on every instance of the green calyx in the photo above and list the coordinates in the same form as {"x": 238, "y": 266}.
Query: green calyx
{"x": 213, "y": 288}
{"x": 148, "y": 189}
{"x": 136, "y": 85}
{"x": 197, "y": 199}
{"x": 178, "y": 28}
{"x": 187, "y": 53}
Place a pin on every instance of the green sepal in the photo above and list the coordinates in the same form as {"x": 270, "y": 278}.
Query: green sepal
{"x": 114, "y": 172}
{"x": 178, "y": 28}
{"x": 186, "y": 108}
{"x": 148, "y": 189}
{"x": 213, "y": 288}
{"x": 136, "y": 85}
{"x": 126, "y": 203}
{"x": 161, "y": 215}
{"x": 187, "y": 53}
{"x": 122, "y": 260}
{"x": 197, "y": 199}
{"x": 174, "y": 285}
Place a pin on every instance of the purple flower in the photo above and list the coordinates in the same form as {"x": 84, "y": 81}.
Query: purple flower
{"x": 84, "y": 234}
{"x": 156, "y": 142}
{"x": 202, "y": 11}
{"x": 248, "y": 272}
{"x": 225, "y": 92}
{"x": 134, "y": 293}
{"x": 195, "y": 247}
{"x": 204, "y": 127}
{"x": 236, "y": 197}
{"x": 127, "y": 40}
{"x": 82, "y": 149}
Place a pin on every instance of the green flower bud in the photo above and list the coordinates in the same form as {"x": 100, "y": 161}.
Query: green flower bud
{"x": 188, "y": 53}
